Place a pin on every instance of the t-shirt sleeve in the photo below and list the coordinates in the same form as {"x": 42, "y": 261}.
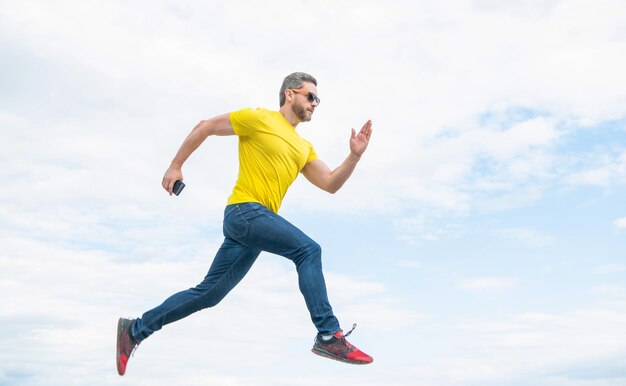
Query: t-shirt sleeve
{"x": 244, "y": 121}
{"x": 312, "y": 154}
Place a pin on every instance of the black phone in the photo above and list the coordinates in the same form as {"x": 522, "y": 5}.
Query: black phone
{"x": 178, "y": 187}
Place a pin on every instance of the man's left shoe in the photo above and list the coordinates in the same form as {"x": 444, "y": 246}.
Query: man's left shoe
{"x": 126, "y": 344}
{"x": 338, "y": 348}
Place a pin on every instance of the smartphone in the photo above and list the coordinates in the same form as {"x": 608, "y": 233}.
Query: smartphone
{"x": 178, "y": 187}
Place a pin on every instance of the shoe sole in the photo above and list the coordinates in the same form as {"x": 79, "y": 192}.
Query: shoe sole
{"x": 117, "y": 346}
{"x": 326, "y": 354}
{"x": 120, "y": 328}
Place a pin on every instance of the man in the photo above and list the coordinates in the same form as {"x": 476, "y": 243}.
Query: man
{"x": 271, "y": 154}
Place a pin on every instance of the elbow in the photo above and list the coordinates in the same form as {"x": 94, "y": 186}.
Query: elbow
{"x": 206, "y": 127}
{"x": 332, "y": 189}
{"x": 333, "y": 185}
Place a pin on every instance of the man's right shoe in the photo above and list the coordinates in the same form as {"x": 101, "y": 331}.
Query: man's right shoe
{"x": 338, "y": 348}
{"x": 125, "y": 344}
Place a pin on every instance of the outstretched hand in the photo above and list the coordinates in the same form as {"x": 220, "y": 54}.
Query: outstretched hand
{"x": 359, "y": 142}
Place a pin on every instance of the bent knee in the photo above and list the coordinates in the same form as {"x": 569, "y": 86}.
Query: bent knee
{"x": 309, "y": 254}
{"x": 314, "y": 248}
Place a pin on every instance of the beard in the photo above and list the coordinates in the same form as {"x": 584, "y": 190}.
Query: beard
{"x": 301, "y": 113}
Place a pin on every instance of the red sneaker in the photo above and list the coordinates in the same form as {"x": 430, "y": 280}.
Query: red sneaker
{"x": 125, "y": 344}
{"x": 338, "y": 348}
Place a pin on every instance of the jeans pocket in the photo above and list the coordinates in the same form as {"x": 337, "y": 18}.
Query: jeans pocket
{"x": 235, "y": 224}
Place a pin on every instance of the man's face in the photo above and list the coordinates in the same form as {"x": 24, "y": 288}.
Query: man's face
{"x": 301, "y": 106}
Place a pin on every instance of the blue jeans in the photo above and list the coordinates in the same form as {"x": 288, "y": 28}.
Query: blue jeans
{"x": 249, "y": 228}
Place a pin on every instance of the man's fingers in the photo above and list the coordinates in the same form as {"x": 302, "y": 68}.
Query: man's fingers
{"x": 168, "y": 185}
{"x": 169, "y": 179}
{"x": 367, "y": 128}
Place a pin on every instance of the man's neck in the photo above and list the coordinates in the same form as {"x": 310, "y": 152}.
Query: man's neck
{"x": 289, "y": 116}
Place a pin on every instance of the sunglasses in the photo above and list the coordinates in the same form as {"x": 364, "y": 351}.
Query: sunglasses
{"x": 309, "y": 95}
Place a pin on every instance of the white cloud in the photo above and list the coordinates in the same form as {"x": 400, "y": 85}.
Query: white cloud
{"x": 612, "y": 290}
{"x": 519, "y": 138}
{"x": 527, "y": 237}
{"x": 414, "y": 230}
{"x": 620, "y": 223}
{"x": 532, "y": 348}
{"x": 607, "y": 170}
{"x": 610, "y": 268}
{"x": 488, "y": 284}
{"x": 410, "y": 264}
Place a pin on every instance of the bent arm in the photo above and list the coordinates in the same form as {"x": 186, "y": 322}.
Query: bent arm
{"x": 321, "y": 176}
{"x": 218, "y": 125}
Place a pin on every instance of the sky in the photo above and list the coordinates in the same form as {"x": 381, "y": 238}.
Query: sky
{"x": 481, "y": 240}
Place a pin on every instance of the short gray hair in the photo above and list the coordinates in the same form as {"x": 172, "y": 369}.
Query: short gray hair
{"x": 294, "y": 80}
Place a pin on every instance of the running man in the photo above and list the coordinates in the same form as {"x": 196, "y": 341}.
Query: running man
{"x": 271, "y": 154}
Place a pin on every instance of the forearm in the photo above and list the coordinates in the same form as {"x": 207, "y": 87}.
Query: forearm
{"x": 340, "y": 175}
{"x": 195, "y": 138}
{"x": 321, "y": 176}
{"x": 358, "y": 144}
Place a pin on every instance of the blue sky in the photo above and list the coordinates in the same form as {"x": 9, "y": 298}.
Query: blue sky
{"x": 480, "y": 241}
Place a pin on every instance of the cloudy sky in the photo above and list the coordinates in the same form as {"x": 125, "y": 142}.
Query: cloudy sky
{"x": 481, "y": 240}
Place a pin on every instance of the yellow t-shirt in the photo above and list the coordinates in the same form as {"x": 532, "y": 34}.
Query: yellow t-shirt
{"x": 271, "y": 154}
